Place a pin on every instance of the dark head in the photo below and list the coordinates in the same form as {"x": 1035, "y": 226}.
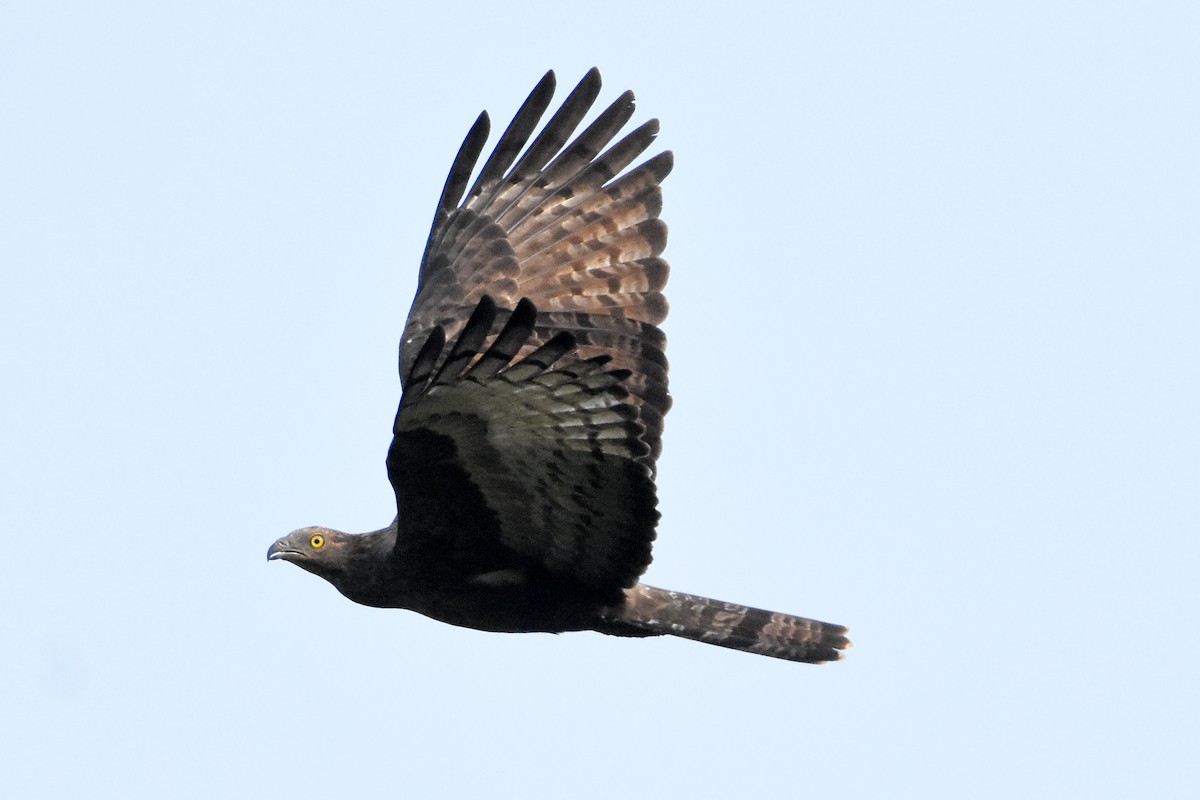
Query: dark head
{"x": 357, "y": 564}
{"x": 321, "y": 551}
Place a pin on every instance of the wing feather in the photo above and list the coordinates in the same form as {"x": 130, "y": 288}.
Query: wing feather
{"x": 511, "y": 141}
{"x": 556, "y": 222}
{"x": 550, "y": 442}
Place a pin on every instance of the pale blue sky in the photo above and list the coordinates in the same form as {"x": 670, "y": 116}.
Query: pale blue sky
{"x": 935, "y": 337}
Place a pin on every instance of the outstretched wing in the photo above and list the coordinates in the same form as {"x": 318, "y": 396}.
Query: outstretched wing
{"x": 555, "y": 225}
{"x": 503, "y": 466}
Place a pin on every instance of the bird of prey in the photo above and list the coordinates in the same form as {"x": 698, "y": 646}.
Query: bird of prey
{"x": 534, "y": 389}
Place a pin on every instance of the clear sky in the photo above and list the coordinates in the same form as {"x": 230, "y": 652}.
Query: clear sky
{"x": 935, "y": 338}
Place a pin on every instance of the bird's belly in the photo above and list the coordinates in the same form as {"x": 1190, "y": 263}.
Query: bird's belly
{"x": 511, "y": 610}
{"x": 504, "y": 600}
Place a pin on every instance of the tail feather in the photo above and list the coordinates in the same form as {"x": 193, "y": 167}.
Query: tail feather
{"x": 754, "y": 630}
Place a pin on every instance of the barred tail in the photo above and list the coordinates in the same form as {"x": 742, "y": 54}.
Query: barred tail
{"x": 768, "y": 633}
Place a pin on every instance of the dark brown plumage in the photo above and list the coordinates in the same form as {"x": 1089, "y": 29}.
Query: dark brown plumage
{"x": 535, "y": 385}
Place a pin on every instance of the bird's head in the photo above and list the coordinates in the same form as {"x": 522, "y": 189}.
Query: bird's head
{"x": 316, "y": 549}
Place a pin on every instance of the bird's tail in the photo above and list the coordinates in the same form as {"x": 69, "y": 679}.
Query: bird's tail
{"x": 769, "y": 633}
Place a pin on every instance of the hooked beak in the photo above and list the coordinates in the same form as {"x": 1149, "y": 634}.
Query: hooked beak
{"x": 280, "y": 550}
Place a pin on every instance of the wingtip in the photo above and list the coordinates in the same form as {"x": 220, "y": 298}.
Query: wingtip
{"x": 546, "y": 85}
{"x": 662, "y": 164}
{"x": 478, "y": 133}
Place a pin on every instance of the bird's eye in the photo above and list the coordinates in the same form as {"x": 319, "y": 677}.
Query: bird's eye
{"x": 317, "y": 542}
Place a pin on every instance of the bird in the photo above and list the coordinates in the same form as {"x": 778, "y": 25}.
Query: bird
{"x": 533, "y": 392}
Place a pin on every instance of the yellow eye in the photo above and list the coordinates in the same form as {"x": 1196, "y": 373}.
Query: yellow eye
{"x": 317, "y": 542}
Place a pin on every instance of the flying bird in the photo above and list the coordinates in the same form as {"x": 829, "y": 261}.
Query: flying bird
{"x": 534, "y": 389}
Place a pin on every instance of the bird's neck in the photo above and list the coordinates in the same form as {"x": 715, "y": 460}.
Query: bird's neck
{"x": 366, "y": 573}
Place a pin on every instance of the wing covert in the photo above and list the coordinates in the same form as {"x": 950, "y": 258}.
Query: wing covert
{"x": 540, "y": 460}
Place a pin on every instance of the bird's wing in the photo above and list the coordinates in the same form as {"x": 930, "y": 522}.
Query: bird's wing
{"x": 499, "y": 463}
{"x": 553, "y": 223}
